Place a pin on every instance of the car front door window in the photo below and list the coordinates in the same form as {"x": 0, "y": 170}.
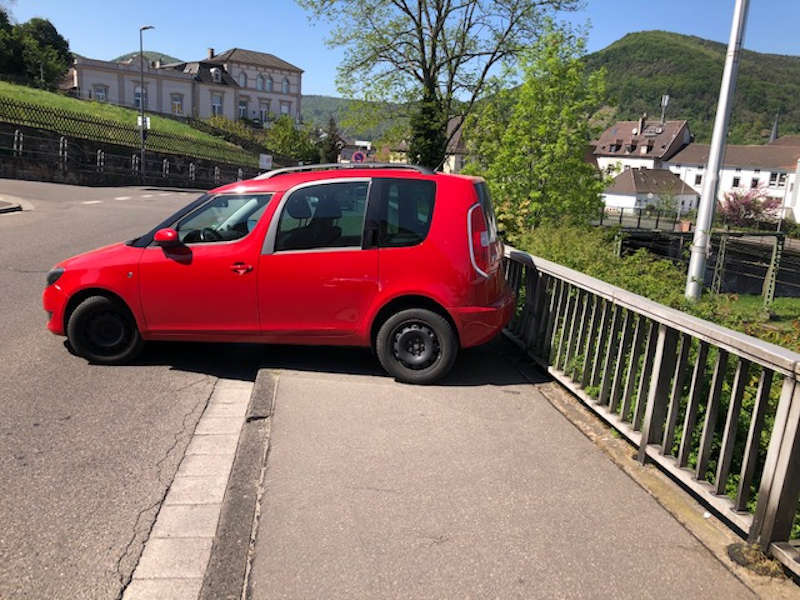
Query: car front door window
{"x": 224, "y": 218}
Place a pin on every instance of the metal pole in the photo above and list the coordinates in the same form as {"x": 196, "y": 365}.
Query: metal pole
{"x": 141, "y": 99}
{"x": 705, "y": 212}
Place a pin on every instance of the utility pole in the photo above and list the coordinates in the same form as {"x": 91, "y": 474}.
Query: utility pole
{"x": 705, "y": 212}
{"x": 141, "y": 98}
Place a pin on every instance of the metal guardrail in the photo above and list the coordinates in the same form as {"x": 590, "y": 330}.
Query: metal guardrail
{"x": 716, "y": 409}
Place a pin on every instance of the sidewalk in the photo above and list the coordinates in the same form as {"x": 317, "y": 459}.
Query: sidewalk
{"x": 475, "y": 489}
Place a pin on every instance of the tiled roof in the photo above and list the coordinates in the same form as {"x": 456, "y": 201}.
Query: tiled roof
{"x": 787, "y": 140}
{"x": 252, "y": 57}
{"x": 649, "y": 181}
{"x": 771, "y": 156}
{"x": 202, "y": 72}
{"x": 655, "y": 140}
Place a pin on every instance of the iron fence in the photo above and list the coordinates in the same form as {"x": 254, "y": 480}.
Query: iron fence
{"x": 80, "y": 126}
{"x": 716, "y": 409}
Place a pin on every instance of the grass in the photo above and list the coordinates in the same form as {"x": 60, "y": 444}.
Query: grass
{"x": 591, "y": 251}
{"x": 124, "y": 116}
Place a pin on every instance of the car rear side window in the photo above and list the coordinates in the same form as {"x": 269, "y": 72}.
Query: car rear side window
{"x": 402, "y": 211}
{"x": 329, "y": 215}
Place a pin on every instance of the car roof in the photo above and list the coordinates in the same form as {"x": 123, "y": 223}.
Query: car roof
{"x": 282, "y": 180}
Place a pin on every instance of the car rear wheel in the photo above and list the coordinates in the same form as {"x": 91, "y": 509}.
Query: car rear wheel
{"x": 417, "y": 346}
{"x": 103, "y": 331}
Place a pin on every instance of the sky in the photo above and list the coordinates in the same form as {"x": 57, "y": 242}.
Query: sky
{"x": 105, "y": 29}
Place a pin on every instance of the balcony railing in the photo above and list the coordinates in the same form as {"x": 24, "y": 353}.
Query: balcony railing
{"x": 716, "y": 409}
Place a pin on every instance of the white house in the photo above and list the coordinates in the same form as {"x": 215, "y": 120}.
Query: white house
{"x": 236, "y": 84}
{"x": 640, "y": 144}
{"x": 773, "y": 167}
{"x": 642, "y": 188}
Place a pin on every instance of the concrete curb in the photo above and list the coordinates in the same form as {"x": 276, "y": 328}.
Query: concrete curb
{"x": 226, "y": 573}
{"x": 5, "y": 207}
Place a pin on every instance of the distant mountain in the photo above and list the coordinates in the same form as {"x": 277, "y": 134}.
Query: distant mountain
{"x": 150, "y": 55}
{"x": 643, "y": 66}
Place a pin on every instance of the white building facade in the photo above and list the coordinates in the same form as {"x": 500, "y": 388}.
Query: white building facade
{"x": 772, "y": 168}
{"x": 235, "y": 84}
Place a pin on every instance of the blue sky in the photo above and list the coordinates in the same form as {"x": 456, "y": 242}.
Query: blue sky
{"x": 107, "y": 28}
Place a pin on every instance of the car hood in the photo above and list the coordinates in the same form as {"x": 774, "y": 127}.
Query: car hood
{"x": 105, "y": 255}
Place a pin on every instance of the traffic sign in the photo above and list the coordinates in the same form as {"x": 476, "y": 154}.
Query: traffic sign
{"x": 359, "y": 156}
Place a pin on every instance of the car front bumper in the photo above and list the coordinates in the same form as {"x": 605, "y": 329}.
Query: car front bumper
{"x": 54, "y": 301}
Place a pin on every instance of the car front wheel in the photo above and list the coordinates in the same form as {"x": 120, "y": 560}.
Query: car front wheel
{"x": 103, "y": 331}
{"x": 417, "y": 346}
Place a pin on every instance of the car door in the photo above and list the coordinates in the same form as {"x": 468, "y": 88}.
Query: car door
{"x": 315, "y": 281}
{"x": 207, "y": 283}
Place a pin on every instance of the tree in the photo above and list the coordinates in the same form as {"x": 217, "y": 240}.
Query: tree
{"x": 749, "y": 208}
{"x": 331, "y": 143}
{"x": 530, "y": 142}
{"x": 33, "y": 52}
{"x": 286, "y": 138}
{"x": 435, "y": 54}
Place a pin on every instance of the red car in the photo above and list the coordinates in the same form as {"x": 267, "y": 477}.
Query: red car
{"x": 392, "y": 257}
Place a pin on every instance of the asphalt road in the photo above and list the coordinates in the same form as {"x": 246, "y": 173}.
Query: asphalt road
{"x": 86, "y": 452}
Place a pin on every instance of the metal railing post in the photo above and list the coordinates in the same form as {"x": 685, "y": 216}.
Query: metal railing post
{"x": 780, "y": 482}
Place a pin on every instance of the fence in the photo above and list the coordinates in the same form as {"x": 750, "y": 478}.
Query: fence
{"x": 27, "y": 153}
{"x": 716, "y": 409}
{"x": 80, "y": 126}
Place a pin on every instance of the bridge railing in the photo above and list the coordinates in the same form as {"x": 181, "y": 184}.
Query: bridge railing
{"x": 717, "y": 409}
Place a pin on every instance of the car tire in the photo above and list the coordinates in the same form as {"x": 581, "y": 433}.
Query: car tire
{"x": 103, "y": 331}
{"x": 417, "y": 346}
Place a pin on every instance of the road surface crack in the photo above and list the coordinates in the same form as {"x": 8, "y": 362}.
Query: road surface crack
{"x": 144, "y": 522}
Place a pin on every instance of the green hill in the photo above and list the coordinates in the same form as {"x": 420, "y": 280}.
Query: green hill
{"x": 150, "y": 55}
{"x": 643, "y": 66}
{"x": 317, "y": 111}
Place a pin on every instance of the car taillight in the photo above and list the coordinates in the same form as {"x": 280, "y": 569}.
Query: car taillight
{"x": 480, "y": 244}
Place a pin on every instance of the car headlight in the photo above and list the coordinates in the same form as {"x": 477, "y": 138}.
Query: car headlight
{"x": 54, "y": 274}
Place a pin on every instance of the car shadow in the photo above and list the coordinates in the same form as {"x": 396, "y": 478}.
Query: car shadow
{"x": 497, "y": 363}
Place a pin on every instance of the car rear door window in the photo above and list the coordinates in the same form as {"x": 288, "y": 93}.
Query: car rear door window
{"x": 402, "y": 211}
{"x": 329, "y": 215}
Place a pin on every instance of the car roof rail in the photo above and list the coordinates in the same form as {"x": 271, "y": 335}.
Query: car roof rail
{"x": 332, "y": 166}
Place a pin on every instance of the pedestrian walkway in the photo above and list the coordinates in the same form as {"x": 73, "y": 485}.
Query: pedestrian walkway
{"x": 474, "y": 489}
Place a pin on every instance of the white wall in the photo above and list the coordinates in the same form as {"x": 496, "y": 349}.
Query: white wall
{"x": 635, "y": 201}
{"x": 616, "y": 164}
{"x": 276, "y": 96}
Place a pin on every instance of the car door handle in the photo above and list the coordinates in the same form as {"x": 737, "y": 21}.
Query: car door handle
{"x": 240, "y": 268}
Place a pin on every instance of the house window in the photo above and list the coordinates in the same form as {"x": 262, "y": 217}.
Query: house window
{"x": 137, "y": 97}
{"x": 243, "y": 108}
{"x": 263, "y": 111}
{"x": 269, "y": 84}
{"x": 176, "y": 104}
{"x": 698, "y": 179}
{"x": 216, "y": 104}
{"x": 773, "y": 179}
{"x": 285, "y": 86}
{"x": 216, "y": 74}
{"x": 243, "y": 79}
{"x": 100, "y": 93}
{"x": 754, "y": 183}
{"x": 781, "y": 180}
{"x": 736, "y": 181}
{"x": 286, "y": 108}
{"x": 260, "y": 83}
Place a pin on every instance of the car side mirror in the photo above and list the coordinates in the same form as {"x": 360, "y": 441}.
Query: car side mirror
{"x": 166, "y": 237}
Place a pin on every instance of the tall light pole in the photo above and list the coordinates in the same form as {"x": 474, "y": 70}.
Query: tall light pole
{"x": 705, "y": 212}
{"x": 141, "y": 97}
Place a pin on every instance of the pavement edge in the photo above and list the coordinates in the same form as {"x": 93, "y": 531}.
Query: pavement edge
{"x": 227, "y": 570}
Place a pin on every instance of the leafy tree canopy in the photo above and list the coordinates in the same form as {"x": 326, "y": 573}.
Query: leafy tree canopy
{"x": 434, "y": 54}
{"x": 530, "y": 143}
{"x": 33, "y": 52}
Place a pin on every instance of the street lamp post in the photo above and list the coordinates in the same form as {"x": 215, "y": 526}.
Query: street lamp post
{"x": 141, "y": 97}
{"x": 705, "y": 211}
